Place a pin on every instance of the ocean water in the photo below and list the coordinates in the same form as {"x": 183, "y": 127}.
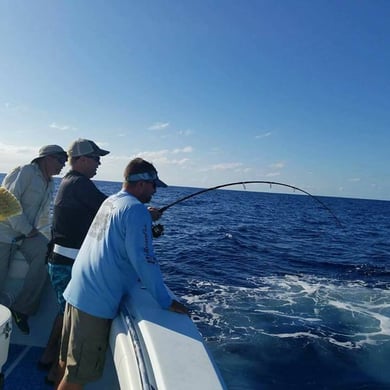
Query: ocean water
{"x": 284, "y": 296}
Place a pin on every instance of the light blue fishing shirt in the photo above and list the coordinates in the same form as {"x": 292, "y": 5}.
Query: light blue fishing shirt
{"x": 117, "y": 251}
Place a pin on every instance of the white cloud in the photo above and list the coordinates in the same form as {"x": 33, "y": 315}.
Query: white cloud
{"x": 159, "y": 126}
{"x": 187, "y": 149}
{"x": 153, "y": 155}
{"x": 13, "y": 108}
{"x": 12, "y": 155}
{"x": 164, "y": 156}
{"x": 264, "y": 135}
{"x": 17, "y": 149}
{"x": 277, "y": 165}
{"x": 161, "y": 157}
{"x": 56, "y": 126}
{"x": 272, "y": 174}
{"x": 185, "y": 132}
{"x": 179, "y": 162}
{"x": 225, "y": 166}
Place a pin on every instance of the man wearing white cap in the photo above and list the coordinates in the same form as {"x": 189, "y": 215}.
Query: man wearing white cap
{"x": 75, "y": 206}
{"x": 33, "y": 186}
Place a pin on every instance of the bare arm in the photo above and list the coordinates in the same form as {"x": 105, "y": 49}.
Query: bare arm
{"x": 178, "y": 307}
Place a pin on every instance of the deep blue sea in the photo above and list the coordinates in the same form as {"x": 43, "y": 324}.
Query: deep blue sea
{"x": 284, "y": 297}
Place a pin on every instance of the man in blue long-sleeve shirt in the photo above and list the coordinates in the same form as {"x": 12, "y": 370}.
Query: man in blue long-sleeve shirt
{"x": 117, "y": 251}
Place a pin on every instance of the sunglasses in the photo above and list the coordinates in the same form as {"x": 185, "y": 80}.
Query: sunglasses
{"x": 153, "y": 182}
{"x": 95, "y": 158}
{"x": 60, "y": 158}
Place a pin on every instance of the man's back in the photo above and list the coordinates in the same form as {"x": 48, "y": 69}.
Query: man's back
{"x": 75, "y": 206}
{"x": 117, "y": 251}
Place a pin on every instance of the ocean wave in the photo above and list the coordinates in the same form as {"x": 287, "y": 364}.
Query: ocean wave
{"x": 347, "y": 314}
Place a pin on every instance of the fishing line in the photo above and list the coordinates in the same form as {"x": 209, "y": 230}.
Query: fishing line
{"x": 158, "y": 229}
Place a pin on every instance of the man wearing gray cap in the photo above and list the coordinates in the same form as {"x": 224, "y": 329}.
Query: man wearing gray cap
{"x": 33, "y": 186}
{"x": 116, "y": 253}
{"x": 76, "y": 203}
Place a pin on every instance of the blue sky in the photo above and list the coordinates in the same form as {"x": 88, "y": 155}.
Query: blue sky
{"x": 209, "y": 91}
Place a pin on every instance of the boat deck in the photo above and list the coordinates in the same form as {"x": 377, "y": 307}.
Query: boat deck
{"x": 21, "y": 368}
{"x": 21, "y": 371}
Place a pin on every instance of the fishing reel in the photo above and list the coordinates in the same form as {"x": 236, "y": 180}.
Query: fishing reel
{"x": 157, "y": 230}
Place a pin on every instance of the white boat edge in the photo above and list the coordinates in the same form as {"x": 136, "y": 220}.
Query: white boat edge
{"x": 169, "y": 350}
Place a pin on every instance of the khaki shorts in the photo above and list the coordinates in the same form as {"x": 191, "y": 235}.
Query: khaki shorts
{"x": 83, "y": 346}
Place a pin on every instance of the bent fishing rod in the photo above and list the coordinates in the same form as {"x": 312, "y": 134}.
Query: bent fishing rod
{"x": 271, "y": 183}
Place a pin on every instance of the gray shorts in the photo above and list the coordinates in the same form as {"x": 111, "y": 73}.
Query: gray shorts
{"x": 83, "y": 346}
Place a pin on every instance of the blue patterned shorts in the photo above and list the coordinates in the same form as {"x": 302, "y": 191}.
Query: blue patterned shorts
{"x": 60, "y": 276}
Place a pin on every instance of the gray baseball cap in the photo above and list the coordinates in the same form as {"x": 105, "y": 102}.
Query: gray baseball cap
{"x": 85, "y": 147}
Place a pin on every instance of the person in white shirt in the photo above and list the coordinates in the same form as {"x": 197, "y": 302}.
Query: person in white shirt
{"x": 33, "y": 186}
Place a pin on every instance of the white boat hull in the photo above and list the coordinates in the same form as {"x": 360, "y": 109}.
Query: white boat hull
{"x": 165, "y": 348}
